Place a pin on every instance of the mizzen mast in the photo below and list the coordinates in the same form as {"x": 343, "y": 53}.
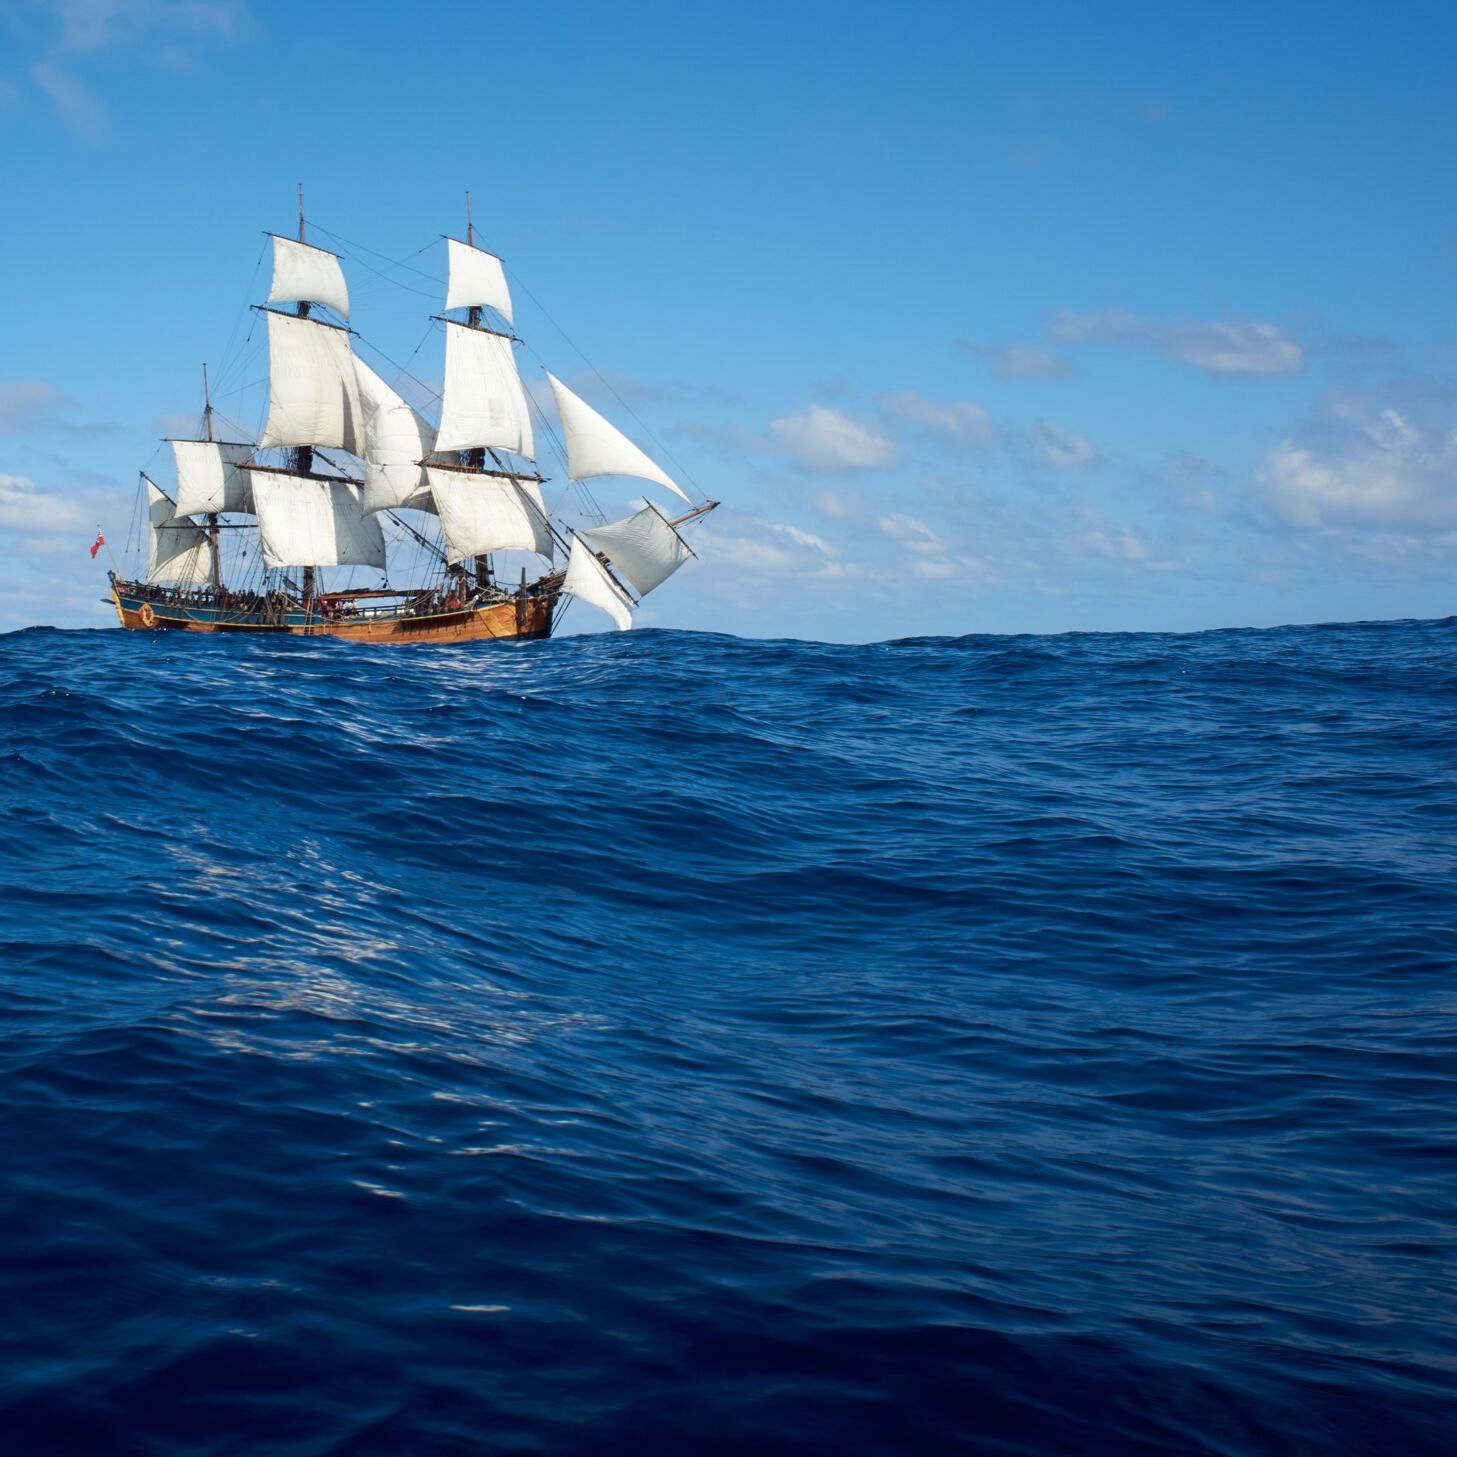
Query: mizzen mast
{"x": 212, "y": 516}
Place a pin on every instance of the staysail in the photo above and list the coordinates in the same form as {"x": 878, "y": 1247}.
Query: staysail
{"x": 307, "y": 522}
{"x": 596, "y": 447}
{"x": 588, "y": 579}
{"x": 644, "y": 547}
{"x": 313, "y": 395}
{"x": 476, "y": 280}
{"x": 305, "y": 274}
{"x": 482, "y": 513}
{"x": 483, "y": 403}
{"x": 209, "y": 478}
{"x": 396, "y": 440}
{"x": 177, "y": 551}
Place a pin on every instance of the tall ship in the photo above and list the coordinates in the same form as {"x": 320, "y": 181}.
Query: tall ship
{"x": 355, "y": 514}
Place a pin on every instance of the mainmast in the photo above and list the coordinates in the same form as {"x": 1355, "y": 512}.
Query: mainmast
{"x": 303, "y": 455}
{"x": 476, "y": 458}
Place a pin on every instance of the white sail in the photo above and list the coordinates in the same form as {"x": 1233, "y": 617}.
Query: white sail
{"x": 313, "y": 396}
{"x": 304, "y": 274}
{"x": 396, "y": 440}
{"x": 483, "y": 403}
{"x": 643, "y": 547}
{"x": 208, "y": 478}
{"x": 596, "y": 447}
{"x": 304, "y": 522}
{"x": 588, "y": 579}
{"x": 477, "y": 280}
{"x": 481, "y": 514}
{"x": 177, "y": 551}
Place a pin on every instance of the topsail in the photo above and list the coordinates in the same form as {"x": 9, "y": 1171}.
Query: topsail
{"x": 313, "y": 396}
{"x": 209, "y": 478}
{"x": 483, "y": 404}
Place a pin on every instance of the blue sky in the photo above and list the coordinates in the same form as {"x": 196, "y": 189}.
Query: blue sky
{"x": 976, "y": 318}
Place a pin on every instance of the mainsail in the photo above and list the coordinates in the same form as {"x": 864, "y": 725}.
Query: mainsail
{"x": 304, "y": 521}
{"x": 396, "y": 440}
{"x": 644, "y": 547}
{"x": 588, "y": 579}
{"x": 483, "y": 513}
{"x": 177, "y": 551}
{"x": 596, "y": 447}
{"x": 313, "y": 396}
{"x": 483, "y": 404}
{"x": 209, "y": 478}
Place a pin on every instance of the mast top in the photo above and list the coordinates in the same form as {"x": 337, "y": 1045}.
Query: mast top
{"x": 301, "y": 212}
{"x": 206, "y": 405}
{"x": 470, "y": 227}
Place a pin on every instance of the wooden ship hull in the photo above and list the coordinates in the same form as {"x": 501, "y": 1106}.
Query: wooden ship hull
{"x": 355, "y": 616}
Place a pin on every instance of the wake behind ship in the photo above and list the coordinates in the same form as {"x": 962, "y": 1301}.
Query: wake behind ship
{"x": 279, "y": 536}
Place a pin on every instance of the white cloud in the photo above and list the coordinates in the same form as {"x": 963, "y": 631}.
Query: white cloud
{"x": 75, "y": 102}
{"x": 1061, "y": 448}
{"x": 1126, "y": 546}
{"x": 934, "y": 568}
{"x": 23, "y": 507}
{"x": 1365, "y": 469}
{"x": 1239, "y": 346}
{"x": 28, "y": 403}
{"x": 164, "y": 31}
{"x": 961, "y": 421}
{"x": 1019, "y": 361}
{"x": 822, "y": 439}
{"x": 752, "y": 544}
{"x": 100, "y": 25}
{"x": 911, "y": 532}
{"x": 837, "y": 505}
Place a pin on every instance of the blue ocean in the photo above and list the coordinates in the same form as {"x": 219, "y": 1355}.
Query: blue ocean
{"x": 664, "y": 1042}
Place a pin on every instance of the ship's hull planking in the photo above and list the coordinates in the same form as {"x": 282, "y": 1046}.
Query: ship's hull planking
{"x": 526, "y": 617}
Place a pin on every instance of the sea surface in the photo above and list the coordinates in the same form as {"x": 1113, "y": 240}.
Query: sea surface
{"x": 662, "y": 1042}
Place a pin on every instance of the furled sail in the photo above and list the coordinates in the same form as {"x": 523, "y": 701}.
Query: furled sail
{"x": 481, "y": 514}
{"x": 177, "y": 551}
{"x": 208, "y": 478}
{"x": 305, "y": 274}
{"x": 483, "y": 403}
{"x": 588, "y": 579}
{"x": 477, "y": 280}
{"x": 644, "y": 547}
{"x": 396, "y": 440}
{"x": 313, "y": 396}
{"x": 596, "y": 447}
{"x": 306, "y": 522}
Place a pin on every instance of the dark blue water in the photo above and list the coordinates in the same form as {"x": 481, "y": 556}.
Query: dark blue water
{"x": 668, "y": 1043}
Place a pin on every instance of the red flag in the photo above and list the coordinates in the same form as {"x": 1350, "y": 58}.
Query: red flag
{"x": 97, "y": 545}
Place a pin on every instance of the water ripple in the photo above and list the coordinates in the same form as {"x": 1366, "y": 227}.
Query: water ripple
{"x": 667, "y": 1042}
